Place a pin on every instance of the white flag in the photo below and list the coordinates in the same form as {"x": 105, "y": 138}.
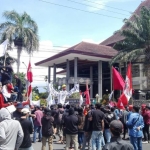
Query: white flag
{"x": 36, "y": 103}
{"x": 3, "y": 48}
{"x": 81, "y": 100}
{"x": 110, "y": 96}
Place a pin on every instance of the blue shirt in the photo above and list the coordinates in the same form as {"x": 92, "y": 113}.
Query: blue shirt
{"x": 117, "y": 114}
{"x": 140, "y": 123}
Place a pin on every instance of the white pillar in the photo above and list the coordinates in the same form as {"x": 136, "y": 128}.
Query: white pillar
{"x": 100, "y": 79}
{"x": 111, "y": 88}
{"x": 91, "y": 78}
{"x": 141, "y": 74}
{"x": 49, "y": 74}
{"x": 75, "y": 69}
{"x": 54, "y": 74}
{"x": 68, "y": 75}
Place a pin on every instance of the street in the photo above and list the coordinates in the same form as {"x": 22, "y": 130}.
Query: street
{"x": 37, "y": 146}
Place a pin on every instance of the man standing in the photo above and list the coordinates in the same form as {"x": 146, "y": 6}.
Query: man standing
{"x": 135, "y": 125}
{"x": 117, "y": 143}
{"x": 38, "y": 124}
{"x": 146, "y": 117}
{"x": 97, "y": 118}
{"x": 71, "y": 123}
{"x": 17, "y": 114}
{"x": 11, "y": 134}
{"x": 47, "y": 129}
{"x": 27, "y": 130}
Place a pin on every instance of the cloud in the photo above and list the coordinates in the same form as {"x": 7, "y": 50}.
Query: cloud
{"x": 97, "y": 5}
{"x": 46, "y": 50}
{"x": 91, "y": 41}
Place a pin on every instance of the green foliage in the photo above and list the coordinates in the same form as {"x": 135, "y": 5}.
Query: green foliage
{"x": 43, "y": 95}
{"x": 36, "y": 90}
{"x": 22, "y": 30}
{"x": 75, "y": 95}
{"x": 137, "y": 39}
{"x": 35, "y": 96}
{"x": 105, "y": 99}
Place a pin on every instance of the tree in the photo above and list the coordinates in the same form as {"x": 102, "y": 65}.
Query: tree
{"x": 137, "y": 39}
{"x": 22, "y": 30}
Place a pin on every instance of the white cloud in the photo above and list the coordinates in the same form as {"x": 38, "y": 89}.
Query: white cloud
{"x": 92, "y": 41}
{"x": 100, "y": 4}
{"x": 46, "y": 50}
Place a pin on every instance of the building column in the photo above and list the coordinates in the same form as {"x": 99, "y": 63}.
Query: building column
{"x": 91, "y": 78}
{"x": 141, "y": 74}
{"x": 68, "y": 75}
{"x": 49, "y": 74}
{"x": 111, "y": 84}
{"x": 54, "y": 74}
{"x": 100, "y": 79}
{"x": 75, "y": 69}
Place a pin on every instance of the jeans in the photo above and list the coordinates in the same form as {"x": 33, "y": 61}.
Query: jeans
{"x": 80, "y": 137}
{"x": 74, "y": 138}
{"x": 39, "y": 130}
{"x": 50, "y": 143}
{"x": 87, "y": 138}
{"x": 136, "y": 142}
{"x": 146, "y": 132}
{"x": 103, "y": 141}
{"x": 30, "y": 148}
{"x": 107, "y": 134}
{"x": 96, "y": 140}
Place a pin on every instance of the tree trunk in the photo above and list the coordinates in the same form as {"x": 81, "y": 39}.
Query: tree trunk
{"x": 18, "y": 57}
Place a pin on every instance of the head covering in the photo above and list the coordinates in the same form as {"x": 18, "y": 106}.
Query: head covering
{"x": 71, "y": 111}
{"x": 116, "y": 127}
{"x": 25, "y": 111}
{"x": 19, "y": 106}
{"x": 63, "y": 86}
{"x": 4, "y": 114}
{"x": 130, "y": 107}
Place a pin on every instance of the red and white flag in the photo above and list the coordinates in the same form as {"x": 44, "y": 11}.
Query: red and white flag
{"x": 87, "y": 95}
{"x": 29, "y": 87}
{"x": 127, "y": 92}
{"x": 120, "y": 104}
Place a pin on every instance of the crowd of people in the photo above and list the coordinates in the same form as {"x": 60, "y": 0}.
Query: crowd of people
{"x": 93, "y": 126}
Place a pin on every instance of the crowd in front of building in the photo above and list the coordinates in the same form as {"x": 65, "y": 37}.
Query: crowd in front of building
{"x": 94, "y": 126}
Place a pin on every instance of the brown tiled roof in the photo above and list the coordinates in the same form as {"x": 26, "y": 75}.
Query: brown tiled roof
{"x": 85, "y": 48}
{"x": 117, "y": 37}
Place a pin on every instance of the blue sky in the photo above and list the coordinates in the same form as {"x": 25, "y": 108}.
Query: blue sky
{"x": 67, "y": 26}
{"x": 60, "y": 26}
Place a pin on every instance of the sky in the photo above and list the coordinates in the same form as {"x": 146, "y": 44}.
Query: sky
{"x": 64, "y": 23}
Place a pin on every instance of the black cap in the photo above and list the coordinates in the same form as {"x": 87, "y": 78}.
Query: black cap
{"x": 19, "y": 106}
{"x": 116, "y": 127}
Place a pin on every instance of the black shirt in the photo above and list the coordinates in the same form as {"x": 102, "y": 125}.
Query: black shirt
{"x": 27, "y": 130}
{"x": 97, "y": 117}
{"x": 118, "y": 144}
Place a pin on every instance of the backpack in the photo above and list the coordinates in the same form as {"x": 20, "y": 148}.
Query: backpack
{"x": 81, "y": 125}
{"x": 109, "y": 118}
{"x": 60, "y": 114}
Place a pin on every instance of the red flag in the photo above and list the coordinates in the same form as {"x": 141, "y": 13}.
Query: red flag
{"x": 120, "y": 104}
{"x": 86, "y": 93}
{"x": 118, "y": 81}
{"x": 127, "y": 92}
{"x": 29, "y": 77}
{"x": 29, "y": 73}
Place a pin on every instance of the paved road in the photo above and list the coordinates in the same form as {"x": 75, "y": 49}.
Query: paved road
{"x": 37, "y": 146}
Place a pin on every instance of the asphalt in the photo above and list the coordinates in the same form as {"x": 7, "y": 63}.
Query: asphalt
{"x": 56, "y": 146}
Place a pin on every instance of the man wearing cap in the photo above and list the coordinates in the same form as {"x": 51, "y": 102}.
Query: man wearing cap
{"x": 117, "y": 143}
{"x": 135, "y": 125}
{"x": 11, "y": 134}
{"x": 146, "y": 117}
{"x": 27, "y": 130}
{"x": 17, "y": 114}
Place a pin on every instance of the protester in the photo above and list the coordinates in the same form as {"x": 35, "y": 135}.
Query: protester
{"x": 58, "y": 118}
{"x": 124, "y": 120}
{"x": 109, "y": 116}
{"x": 38, "y": 124}
{"x": 87, "y": 128}
{"x": 11, "y": 134}
{"x": 97, "y": 118}
{"x": 135, "y": 125}
{"x": 146, "y": 117}
{"x": 81, "y": 118}
{"x": 71, "y": 123}
{"x": 17, "y": 114}
{"x": 117, "y": 143}
{"x": 47, "y": 129}
{"x": 27, "y": 130}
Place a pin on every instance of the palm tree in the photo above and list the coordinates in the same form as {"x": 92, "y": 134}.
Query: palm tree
{"x": 22, "y": 30}
{"x": 137, "y": 39}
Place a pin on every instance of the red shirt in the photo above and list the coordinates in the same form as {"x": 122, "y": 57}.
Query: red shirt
{"x": 146, "y": 117}
{"x": 9, "y": 87}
